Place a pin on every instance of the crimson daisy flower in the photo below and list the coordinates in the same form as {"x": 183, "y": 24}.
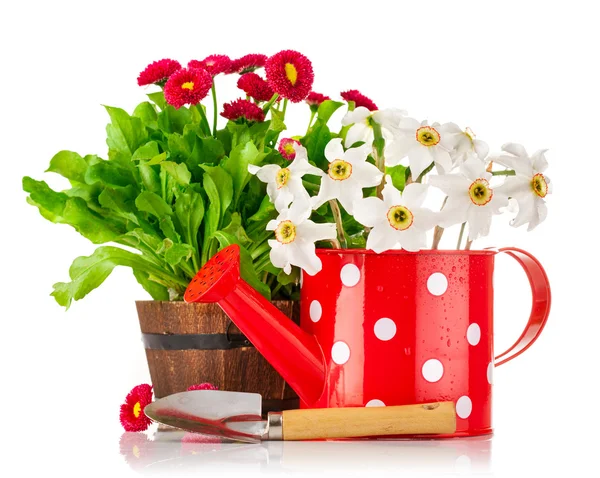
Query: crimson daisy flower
{"x": 248, "y": 63}
{"x": 255, "y": 87}
{"x": 132, "y": 414}
{"x": 287, "y": 148}
{"x": 187, "y": 86}
{"x": 158, "y": 72}
{"x": 315, "y": 99}
{"x": 359, "y": 99}
{"x": 202, "y": 386}
{"x": 214, "y": 64}
{"x": 290, "y": 74}
{"x": 242, "y": 110}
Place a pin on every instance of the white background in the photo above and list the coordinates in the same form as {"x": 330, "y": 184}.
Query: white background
{"x": 513, "y": 71}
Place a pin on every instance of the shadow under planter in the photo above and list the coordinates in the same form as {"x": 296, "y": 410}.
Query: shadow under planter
{"x": 188, "y": 344}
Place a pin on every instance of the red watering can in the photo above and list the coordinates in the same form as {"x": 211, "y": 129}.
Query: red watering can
{"x": 383, "y": 329}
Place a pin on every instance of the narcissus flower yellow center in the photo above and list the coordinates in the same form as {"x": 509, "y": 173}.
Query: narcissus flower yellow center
{"x": 480, "y": 192}
{"x": 291, "y": 73}
{"x": 539, "y": 185}
{"x": 188, "y": 85}
{"x": 285, "y": 232}
{"x": 137, "y": 409}
{"x": 283, "y": 176}
{"x": 340, "y": 170}
{"x": 428, "y": 136}
{"x": 400, "y": 217}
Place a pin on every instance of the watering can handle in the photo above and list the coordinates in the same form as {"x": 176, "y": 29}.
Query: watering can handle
{"x": 540, "y": 307}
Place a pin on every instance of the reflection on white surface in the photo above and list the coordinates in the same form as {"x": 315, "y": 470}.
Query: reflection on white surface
{"x": 180, "y": 452}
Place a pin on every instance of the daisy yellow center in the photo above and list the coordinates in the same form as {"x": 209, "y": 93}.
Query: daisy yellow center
{"x": 480, "y": 192}
{"x": 188, "y": 85}
{"x": 283, "y": 176}
{"x": 428, "y": 136}
{"x": 137, "y": 409}
{"x": 539, "y": 185}
{"x": 400, "y": 217}
{"x": 291, "y": 73}
{"x": 289, "y": 149}
{"x": 339, "y": 170}
{"x": 285, "y": 232}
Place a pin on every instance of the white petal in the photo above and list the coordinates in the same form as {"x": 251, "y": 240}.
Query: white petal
{"x": 474, "y": 169}
{"x": 312, "y": 232}
{"x": 480, "y": 220}
{"x": 334, "y": 150}
{"x": 389, "y": 118}
{"x": 359, "y": 132}
{"x": 268, "y": 173}
{"x": 302, "y": 254}
{"x": 382, "y": 237}
{"x": 414, "y": 194}
{"x": 454, "y": 212}
{"x": 420, "y": 159}
{"x": 300, "y": 166}
{"x": 450, "y": 128}
{"x": 357, "y": 155}
{"x": 367, "y": 175}
{"x": 515, "y": 185}
{"x": 329, "y": 189}
{"x": 391, "y": 196}
{"x": 451, "y": 184}
{"x": 411, "y": 124}
{"x": 349, "y": 194}
{"x": 398, "y": 149}
{"x": 413, "y": 240}
{"x": 539, "y": 160}
{"x": 283, "y": 198}
{"x": 253, "y": 169}
{"x": 299, "y": 211}
{"x": 516, "y": 149}
{"x": 358, "y": 115}
{"x": 424, "y": 219}
{"x": 481, "y": 148}
{"x": 541, "y": 214}
{"x": 442, "y": 159}
{"x": 519, "y": 165}
{"x": 527, "y": 210}
{"x": 369, "y": 211}
{"x": 279, "y": 254}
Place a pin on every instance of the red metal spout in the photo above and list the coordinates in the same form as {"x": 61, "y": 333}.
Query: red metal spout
{"x": 295, "y": 354}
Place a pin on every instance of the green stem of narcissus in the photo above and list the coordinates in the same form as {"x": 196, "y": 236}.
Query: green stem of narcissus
{"x": 337, "y": 215}
{"x": 506, "y": 172}
{"x": 378, "y": 148}
{"x": 214, "y": 98}
{"x": 269, "y": 103}
{"x": 460, "y": 235}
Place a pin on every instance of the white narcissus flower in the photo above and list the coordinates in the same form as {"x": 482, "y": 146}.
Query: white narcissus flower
{"x": 284, "y": 185}
{"x": 465, "y": 144}
{"x": 471, "y": 199}
{"x": 295, "y": 237}
{"x": 398, "y": 220}
{"x": 529, "y": 186}
{"x": 362, "y": 120}
{"x": 348, "y": 173}
{"x": 422, "y": 144}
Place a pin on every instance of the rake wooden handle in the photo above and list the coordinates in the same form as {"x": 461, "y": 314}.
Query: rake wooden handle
{"x": 429, "y": 418}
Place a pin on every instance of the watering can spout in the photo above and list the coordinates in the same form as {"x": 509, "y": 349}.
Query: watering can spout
{"x": 294, "y": 353}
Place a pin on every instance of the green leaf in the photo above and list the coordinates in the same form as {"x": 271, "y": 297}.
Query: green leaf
{"x": 50, "y": 203}
{"x": 159, "y": 158}
{"x": 146, "y": 151}
{"x": 70, "y": 165}
{"x": 292, "y": 278}
{"x": 189, "y": 210}
{"x": 277, "y": 123}
{"x": 120, "y": 200}
{"x": 110, "y": 174}
{"x": 222, "y": 183}
{"x": 327, "y": 108}
{"x": 315, "y": 142}
{"x": 237, "y": 166}
{"x": 247, "y": 270}
{"x": 93, "y": 227}
{"x": 398, "y": 174}
{"x": 150, "y": 178}
{"x": 158, "y": 99}
{"x": 265, "y": 212}
{"x": 177, "y": 253}
{"x": 153, "y": 204}
{"x": 179, "y": 172}
{"x": 205, "y": 151}
{"x": 156, "y": 291}
{"x": 235, "y": 229}
{"x": 125, "y": 134}
{"x": 171, "y": 120}
{"x": 168, "y": 229}
{"x": 147, "y": 113}
{"x": 213, "y": 214}
{"x": 87, "y": 273}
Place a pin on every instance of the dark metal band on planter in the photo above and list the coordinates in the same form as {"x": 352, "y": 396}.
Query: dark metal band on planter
{"x": 194, "y": 341}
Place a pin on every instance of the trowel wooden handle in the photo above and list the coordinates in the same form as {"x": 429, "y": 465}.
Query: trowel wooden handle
{"x": 429, "y": 418}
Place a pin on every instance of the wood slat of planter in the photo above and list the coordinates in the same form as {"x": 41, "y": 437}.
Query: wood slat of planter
{"x": 238, "y": 369}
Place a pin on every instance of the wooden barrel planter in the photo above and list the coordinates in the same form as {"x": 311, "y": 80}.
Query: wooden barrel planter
{"x": 188, "y": 344}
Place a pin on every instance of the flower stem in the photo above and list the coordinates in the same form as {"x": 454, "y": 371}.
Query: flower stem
{"x": 468, "y": 246}
{"x": 214, "y": 98}
{"x": 204, "y": 120}
{"x": 506, "y": 172}
{"x": 337, "y": 215}
{"x": 438, "y": 232}
{"x": 269, "y": 103}
{"x": 378, "y": 148}
{"x": 460, "y": 235}
{"x": 312, "y": 117}
{"x": 285, "y": 102}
